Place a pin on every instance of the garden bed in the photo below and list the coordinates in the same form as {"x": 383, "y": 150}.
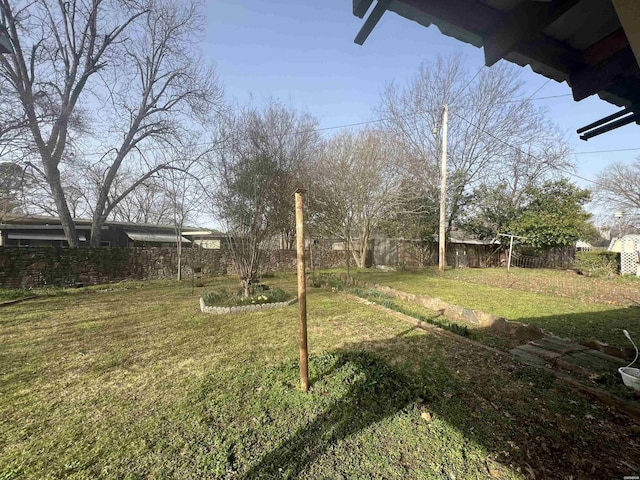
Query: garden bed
{"x": 227, "y": 301}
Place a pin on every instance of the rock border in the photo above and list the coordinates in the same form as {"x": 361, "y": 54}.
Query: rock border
{"x": 522, "y": 331}
{"x": 600, "y": 394}
{"x": 17, "y": 300}
{"x": 243, "y": 308}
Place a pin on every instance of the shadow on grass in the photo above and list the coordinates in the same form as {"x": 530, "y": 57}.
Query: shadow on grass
{"x": 374, "y": 392}
{"x": 526, "y": 413}
{"x": 605, "y": 326}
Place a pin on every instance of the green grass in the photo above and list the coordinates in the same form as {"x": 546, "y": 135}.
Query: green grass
{"x": 7, "y": 294}
{"x": 137, "y": 383}
{"x": 562, "y": 315}
{"x": 412, "y": 310}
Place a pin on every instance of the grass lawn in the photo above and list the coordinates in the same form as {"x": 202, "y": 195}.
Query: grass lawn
{"x": 565, "y": 316}
{"x": 8, "y": 294}
{"x": 132, "y": 381}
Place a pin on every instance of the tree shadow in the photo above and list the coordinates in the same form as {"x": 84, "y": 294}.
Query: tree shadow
{"x": 603, "y": 326}
{"x": 353, "y": 412}
{"x": 548, "y": 429}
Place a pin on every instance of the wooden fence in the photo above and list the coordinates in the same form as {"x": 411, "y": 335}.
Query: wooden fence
{"x": 415, "y": 253}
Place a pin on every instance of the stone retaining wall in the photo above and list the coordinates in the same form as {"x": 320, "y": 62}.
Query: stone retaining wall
{"x": 36, "y": 267}
{"x": 521, "y": 331}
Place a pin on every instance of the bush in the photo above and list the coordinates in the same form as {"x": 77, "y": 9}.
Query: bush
{"x": 216, "y": 296}
{"x": 597, "y": 264}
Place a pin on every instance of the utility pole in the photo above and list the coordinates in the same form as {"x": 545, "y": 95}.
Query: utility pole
{"x": 302, "y": 292}
{"x": 443, "y": 192}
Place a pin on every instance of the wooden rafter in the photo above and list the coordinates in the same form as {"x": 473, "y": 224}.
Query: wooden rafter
{"x": 521, "y": 33}
{"x": 605, "y": 48}
{"x": 523, "y": 23}
{"x": 591, "y": 80}
{"x": 372, "y": 21}
{"x": 360, "y": 7}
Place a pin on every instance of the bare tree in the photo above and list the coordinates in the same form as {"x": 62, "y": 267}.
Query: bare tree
{"x": 618, "y": 189}
{"x": 494, "y": 131}
{"x": 186, "y": 194}
{"x": 167, "y": 90}
{"x": 257, "y": 170}
{"x": 12, "y": 184}
{"x": 148, "y": 203}
{"x": 130, "y": 62}
{"x": 355, "y": 185}
{"x": 58, "y": 48}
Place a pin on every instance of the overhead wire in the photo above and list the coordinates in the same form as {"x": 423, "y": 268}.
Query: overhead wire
{"x": 367, "y": 122}
{"x": 472, "y": 79}
{"x": 518, "y": 149}
{"x": 543, "y": 85}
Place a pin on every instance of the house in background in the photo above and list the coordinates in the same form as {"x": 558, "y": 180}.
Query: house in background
{"x": 35, "y": 230}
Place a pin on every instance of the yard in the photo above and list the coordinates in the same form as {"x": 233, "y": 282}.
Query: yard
{"x": 132, "y": 381}
{"x": 562, "y": 302}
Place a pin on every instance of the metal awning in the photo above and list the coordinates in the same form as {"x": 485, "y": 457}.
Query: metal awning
{"x": 154, "y": 237}
{"x": 41, "y": 236}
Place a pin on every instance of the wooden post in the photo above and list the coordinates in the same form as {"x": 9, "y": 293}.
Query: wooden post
{"x": 510, "y": 251}
{"x": 302, "y": 292}
{"x": 442, "y": 259}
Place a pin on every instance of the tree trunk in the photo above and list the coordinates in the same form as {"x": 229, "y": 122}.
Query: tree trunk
{"x": 347, "y": 255}
{"x": 69, "y": 228}
{"x": 364, "y": 245}
{"x": 96, "y": 228}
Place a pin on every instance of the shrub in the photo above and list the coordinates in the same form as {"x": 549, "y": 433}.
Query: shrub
{"x": 216, "y": 296}
{"x": 596, "y": 264}
{"x": 278, "y": 295}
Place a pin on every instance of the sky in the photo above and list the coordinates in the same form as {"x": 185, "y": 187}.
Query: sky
{"x": 303, "y": 54}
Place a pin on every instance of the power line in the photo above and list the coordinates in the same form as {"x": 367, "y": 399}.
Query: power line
{"x": 470, "y": 81}
{"x": 543, "y": 85}
{"x": 555, "y": 167}
{"x": 607, "y": 151}
{"x": 367, "y": 122}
